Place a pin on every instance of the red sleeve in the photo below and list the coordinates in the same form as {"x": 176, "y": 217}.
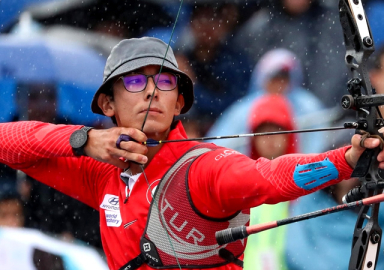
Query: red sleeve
{"x": 223, "y": 181}
{"x": 26, "y": 141}
{"x": 43, "y": 152}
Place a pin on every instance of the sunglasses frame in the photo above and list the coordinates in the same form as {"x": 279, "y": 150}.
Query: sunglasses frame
{"x": 177, "y": 76}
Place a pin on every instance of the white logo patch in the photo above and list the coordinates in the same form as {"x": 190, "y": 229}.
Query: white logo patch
{"x": 110, "y": 202}
{"x": 225, "y": 154}
{"x": 113, "y": 218}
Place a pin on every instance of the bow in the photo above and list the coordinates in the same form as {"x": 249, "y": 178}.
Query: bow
{"x": 363, "y": 99}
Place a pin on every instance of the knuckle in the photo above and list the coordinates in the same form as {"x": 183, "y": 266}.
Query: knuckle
{"x": 130, "y": 132}
{"x": 145, "y": 149}
{"x": 116, "y": 131}
{"x": 104, "y": 156}
{"x": 128, "y": 146}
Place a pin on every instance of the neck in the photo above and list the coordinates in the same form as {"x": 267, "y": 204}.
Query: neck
{"x": 152, "y": 151}
{"x": 135, "y": 167}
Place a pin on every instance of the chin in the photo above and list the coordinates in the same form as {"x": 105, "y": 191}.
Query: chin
{"x": 156, "y": 130}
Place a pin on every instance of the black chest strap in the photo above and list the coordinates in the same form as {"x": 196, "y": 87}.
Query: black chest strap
{"x": 135, "y": 263}
{"x": 141, "y": 259}
{"x": 229, "y": 257}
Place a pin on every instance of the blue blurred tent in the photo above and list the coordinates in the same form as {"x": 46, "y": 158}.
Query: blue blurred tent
{"x": 75, "y": 70}
{"x": 11, "y": 9}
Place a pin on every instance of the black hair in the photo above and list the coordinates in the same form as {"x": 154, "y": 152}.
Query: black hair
{"x": 11, "y": 196}
{"x": 109, "y": 92}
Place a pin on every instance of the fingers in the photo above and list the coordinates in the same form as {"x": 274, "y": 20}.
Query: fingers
{"x": 358, "y": 147}
{"x": 102, "y": 145}
{"x": 130, "y": 147}
{"x": 119, "y": 163}
{"x": 380, "y": 158}
{"x": 367, "y": 143}
{"x": 132, "y": 156}
{"x": 134, "y": 134}
{"x": 133, "y": 146}
{"x": 371, "y": 143}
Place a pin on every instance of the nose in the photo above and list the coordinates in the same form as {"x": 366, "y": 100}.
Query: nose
{"x": 151, "y": 89}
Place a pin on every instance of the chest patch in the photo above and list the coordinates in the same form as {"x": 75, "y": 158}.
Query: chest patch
{"x": 112, "y": 210}
{"x": 110, "y": 202}
{"x": 113, "y": 218}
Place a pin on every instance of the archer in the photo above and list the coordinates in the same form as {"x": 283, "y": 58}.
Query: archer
{"x": 112, "y": 171}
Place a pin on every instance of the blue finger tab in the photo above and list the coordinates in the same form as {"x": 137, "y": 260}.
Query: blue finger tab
{"x": 312, "y": 175}
{"x": 123, "y": 138}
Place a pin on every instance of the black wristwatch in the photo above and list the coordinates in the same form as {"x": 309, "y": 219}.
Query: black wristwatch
{"x": 78, "y": 140}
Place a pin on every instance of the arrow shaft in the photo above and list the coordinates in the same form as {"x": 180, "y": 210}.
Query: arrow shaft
{"x": 154, "y": 143}
{"x": 237, "y": 233}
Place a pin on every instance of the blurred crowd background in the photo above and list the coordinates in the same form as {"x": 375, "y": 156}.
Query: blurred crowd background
{"x": 257, "y": 65}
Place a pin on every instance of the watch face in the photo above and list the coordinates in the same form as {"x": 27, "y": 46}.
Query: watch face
{"x": 78, "y": 139}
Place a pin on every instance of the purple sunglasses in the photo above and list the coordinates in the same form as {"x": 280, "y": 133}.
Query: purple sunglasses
{"x": 137, "y": 82}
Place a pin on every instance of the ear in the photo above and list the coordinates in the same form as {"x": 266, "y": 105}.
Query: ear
{"x": 179, "y": 104}
{"x": 106, "y": 104}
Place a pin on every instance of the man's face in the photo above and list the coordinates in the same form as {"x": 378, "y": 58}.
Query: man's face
{"x": 377, "y": 77}
{"x": 296, "y": 7}
{"x": 277, "y": 85}
{"x": 130, "y": 108}
{"x": 270, "y": 146}
{"x": 11, "y": 213}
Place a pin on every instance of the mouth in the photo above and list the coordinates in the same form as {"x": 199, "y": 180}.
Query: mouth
{"x": 151, "y": 111}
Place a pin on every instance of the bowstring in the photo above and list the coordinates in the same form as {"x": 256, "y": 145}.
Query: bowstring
{"x": 142, "y": 129}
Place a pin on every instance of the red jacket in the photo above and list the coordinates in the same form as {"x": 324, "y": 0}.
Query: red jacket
{"x": 221, "y": 182}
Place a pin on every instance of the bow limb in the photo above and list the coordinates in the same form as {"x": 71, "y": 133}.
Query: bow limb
{"x": 362, "y": 98}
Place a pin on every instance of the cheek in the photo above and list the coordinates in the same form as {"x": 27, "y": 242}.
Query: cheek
{"x": 125, "y": 103}
{"x": 171, "y": 99}
{"x": 281, "y": 141}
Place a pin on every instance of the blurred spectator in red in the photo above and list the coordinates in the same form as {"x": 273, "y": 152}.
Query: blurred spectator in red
{"x": 312, "y": 32}
{"x": 269, "y": 113}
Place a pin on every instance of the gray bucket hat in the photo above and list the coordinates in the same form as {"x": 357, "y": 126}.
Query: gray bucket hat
{"x": 134, "y": 53}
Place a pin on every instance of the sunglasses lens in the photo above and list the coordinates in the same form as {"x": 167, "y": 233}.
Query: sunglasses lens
{"x": 166, "y": 81}
{"x": 135, "y": 82}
